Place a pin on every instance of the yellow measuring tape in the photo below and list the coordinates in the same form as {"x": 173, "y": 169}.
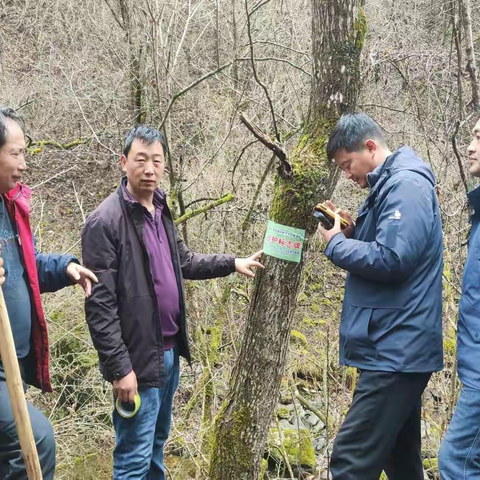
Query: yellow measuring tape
{"x": 127, "y": 413}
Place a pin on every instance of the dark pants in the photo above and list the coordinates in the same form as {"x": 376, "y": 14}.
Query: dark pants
{"x": 382, "y": 430}
{"x": 12, "y": 466}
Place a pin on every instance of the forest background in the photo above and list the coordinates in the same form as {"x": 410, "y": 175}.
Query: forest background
{"x": 82, "y": 73}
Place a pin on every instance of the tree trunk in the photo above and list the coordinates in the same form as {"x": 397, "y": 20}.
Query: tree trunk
{"x": 471, "y": 63}
{"x": 243, "y": 422}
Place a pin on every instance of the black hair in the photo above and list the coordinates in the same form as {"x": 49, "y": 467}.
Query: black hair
{"x": 147, "y": 135}
{"x": 350, "y": 133}
{"x": 7, "y": 113}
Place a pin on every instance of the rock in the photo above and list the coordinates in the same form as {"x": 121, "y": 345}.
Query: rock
{"x": 285, "y": 411}
{"x": 319, "y": 444}
{"x": 298, "y": 446}
{"x": 320, "y": 426}
{"x": 311, "y": 419}
{"x": 285, "y": 425}
{"x": 298, "y": 423}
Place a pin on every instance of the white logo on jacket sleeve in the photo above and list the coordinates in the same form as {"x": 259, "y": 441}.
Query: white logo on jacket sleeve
{"x": 396, "y": 216}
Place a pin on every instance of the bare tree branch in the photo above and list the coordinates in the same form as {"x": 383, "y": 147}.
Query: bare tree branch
{"x": 226, "y": 198}
{"x": 254, "y": 69}
{"x": 457, "y": 155}
{"x": 237, "y": 161}
{"x": 186, "y": 89}
{"x": 269, "y": 143}
{"x": 471, "y": 62}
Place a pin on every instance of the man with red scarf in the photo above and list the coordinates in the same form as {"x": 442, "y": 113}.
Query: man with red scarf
{"x": 25, "y": 273}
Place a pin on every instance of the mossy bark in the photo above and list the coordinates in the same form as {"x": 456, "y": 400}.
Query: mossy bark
{"x": 243, "y": 422}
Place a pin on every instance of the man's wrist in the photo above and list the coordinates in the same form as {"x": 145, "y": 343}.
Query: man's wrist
{"x": 333, "y": 242}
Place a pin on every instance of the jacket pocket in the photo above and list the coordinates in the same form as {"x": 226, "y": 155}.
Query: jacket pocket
{"x": 358, "y": 344}
{"x": 470, "y": 317}
{"x": 364, "y": 293}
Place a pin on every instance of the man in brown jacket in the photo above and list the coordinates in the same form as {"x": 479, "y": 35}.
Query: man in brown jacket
{"x": 136, "y": 313}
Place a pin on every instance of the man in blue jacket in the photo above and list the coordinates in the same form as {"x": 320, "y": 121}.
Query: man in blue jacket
{"x": 25, "y": 273}
{"x": 459, "y": 456}
{"x": 391, "y": 326}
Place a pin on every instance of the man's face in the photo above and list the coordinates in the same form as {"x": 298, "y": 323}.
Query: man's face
{"x": 144, "y": 166}
{"x": 473, "y": 152}
{"x": 12, "y": 157}
{"x": 356, "y": 165}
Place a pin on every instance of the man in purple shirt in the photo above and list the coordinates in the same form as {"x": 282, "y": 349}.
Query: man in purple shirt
{"x": 136, "y": 313}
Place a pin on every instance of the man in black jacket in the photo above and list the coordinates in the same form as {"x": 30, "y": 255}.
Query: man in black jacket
{"x": 136, "y": 313}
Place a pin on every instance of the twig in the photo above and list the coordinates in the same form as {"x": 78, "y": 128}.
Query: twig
{"x": 282, "y": 449}
{"x": 269, "y": 143}
{"x": 186, "y": 89}
{"x": 226, "y": 198}
{"x": 199, "y": 200}
{"x": 310, "y": 407}
{"x": 28, "y": 102}
{"x": 72, "y": 247}
{"x": 53, "y": 143}
{"x": 237, "y": 161}
{"x": 257, "y": 193}
{"x": 254, "y": 69}
{"x": 457, "y": 155}
{"x": 282, "y": 60}
{"x": 204, "y": 166}
{"x": 268, "y": 42}
{"x": 241, "y": 294}
{"x": 54, "y": 176}
{"x": 79, "y": 202}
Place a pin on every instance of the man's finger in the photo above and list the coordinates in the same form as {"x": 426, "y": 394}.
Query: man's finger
{"x": 257, "y": 255}
{"x": 90, "y": 275}
{"x": 337, "y": 221}
{"x": 321, "y": 228}
{"x": 257, "y": 264}
{"x": 330, "y": 205}
{"x": 87, "y": 287}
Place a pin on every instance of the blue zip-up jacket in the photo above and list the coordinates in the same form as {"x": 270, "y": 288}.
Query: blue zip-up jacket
{"x": 392, "y": 309}
{"x": 469, "y": 311}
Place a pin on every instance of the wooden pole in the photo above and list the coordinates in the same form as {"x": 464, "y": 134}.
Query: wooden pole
{"x": 17, "y": 395}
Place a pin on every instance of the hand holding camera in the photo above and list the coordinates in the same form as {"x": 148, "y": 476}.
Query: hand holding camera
{"x": 333, "y": 220}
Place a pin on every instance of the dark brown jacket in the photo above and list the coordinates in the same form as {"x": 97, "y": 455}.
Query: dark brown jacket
{"x": 122, "y": 312}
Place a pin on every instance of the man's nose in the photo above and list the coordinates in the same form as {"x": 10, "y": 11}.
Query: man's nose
{"x": 22, "y": 166}
{"x": 471, "y": 148}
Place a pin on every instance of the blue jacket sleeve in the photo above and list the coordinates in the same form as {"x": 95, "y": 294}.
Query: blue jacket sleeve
{"x": 405, "y": 219}
{"x": 52, "y": 270}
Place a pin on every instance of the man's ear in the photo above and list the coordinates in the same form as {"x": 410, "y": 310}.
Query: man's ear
{"x": 371, "y": 145}
{"x": 123, "y": 162}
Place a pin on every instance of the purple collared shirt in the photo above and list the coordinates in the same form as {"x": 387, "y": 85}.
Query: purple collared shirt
{"x": 164, "y": 280}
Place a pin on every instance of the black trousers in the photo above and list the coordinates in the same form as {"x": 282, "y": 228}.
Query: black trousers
{"x": 382, "y": 430}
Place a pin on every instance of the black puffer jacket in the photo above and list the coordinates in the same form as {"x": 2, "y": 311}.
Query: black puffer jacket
{"x": 122, "y": 312}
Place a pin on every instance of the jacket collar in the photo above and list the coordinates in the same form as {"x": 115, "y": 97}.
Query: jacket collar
{"x": 19, "y": 189}
{"x": 473, "y": 197}
{"x": 382, "y": 171}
